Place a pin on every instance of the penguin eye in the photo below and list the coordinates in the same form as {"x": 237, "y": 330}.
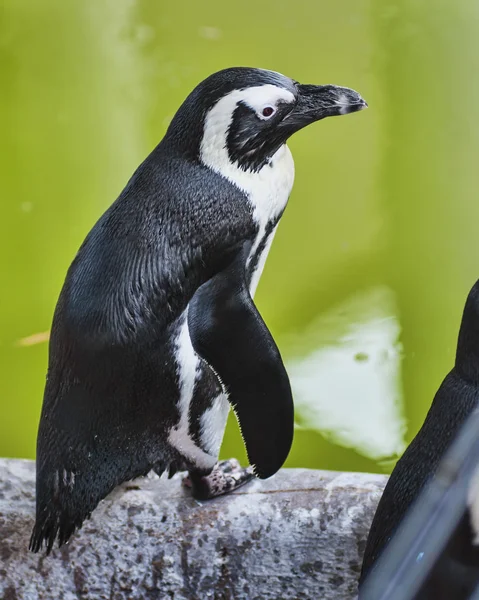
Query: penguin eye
{"x": 268, "y": 111}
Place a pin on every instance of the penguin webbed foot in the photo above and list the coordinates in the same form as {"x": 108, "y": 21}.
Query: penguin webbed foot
{"x": 226, "y": 476}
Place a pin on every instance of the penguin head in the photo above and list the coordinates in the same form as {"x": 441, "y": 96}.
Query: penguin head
{"x": 243, "y": 115}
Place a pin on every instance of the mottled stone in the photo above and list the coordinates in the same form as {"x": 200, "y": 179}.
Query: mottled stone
{"x": 300, "y": 534}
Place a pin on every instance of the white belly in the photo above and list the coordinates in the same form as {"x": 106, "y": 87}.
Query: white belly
{"x": 187, "y": 364}
{"x": 269, "y": 195}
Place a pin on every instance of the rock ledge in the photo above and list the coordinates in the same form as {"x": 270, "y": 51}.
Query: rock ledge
{"x": 300, "y": 534}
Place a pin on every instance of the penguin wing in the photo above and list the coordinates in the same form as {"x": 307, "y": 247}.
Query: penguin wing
{"x": 228, "y": 332}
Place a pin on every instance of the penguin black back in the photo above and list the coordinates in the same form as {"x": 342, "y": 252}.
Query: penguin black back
{"x": 458, "y": 395}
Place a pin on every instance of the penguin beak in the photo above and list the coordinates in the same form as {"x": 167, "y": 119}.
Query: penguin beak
{"x": 316, "y": 102}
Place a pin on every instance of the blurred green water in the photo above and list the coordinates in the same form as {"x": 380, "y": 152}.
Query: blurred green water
{"x": 387, "y": 197}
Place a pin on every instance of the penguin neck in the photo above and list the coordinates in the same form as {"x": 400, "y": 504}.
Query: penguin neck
{"x": 467, "y": 356}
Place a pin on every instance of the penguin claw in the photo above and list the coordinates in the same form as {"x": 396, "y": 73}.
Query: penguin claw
{"x": 231, "y": 465}
{"x": 226, "y": 476}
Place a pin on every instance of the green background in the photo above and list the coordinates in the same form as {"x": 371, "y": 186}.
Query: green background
{"x": 387, "y": 197}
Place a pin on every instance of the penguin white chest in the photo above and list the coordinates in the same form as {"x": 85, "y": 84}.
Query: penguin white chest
{"x": 269, "y": 189}
{"x": 268, "y": 192}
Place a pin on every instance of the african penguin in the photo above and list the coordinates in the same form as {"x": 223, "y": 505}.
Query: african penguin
{"x": 457, "y": 572}
{"x": 155, "y": 333}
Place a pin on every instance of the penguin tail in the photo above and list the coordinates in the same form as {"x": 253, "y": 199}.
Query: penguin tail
{"x": 63, "y": 503}
{"x": 66, "y": 498}
{"x": 48, "y": 528}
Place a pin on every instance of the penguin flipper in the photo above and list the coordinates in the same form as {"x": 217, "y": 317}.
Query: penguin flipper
{"x": 228, "y": 332}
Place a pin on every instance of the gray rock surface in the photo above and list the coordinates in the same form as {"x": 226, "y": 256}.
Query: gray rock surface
{"x": 300, "y": 534}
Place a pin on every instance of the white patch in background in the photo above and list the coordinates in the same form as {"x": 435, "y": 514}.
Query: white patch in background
{"x": 118, "y": 73}
{"x": 187, "y": 365}
{"x": 213, "y": 424}
{"x": 348, "y": 385}
{"x": 209, "y": 33}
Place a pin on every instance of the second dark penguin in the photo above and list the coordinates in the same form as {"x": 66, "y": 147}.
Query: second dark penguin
{"x": 155, "y": 333}
{"x": 457, "y": 572}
